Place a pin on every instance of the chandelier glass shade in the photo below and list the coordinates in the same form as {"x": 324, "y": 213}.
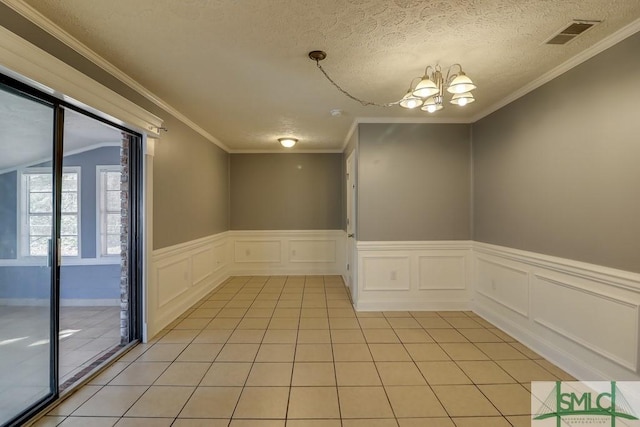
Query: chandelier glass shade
{"x": 428, "y": 94}
{"x": 462, "y": 99}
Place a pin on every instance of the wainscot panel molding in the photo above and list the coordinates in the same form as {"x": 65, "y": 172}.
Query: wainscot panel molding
{"x": 432, "y": 275}
{"x": 287, "y": 252}
{"x": 180, "y": 275}
{"x": 583, "y": 317}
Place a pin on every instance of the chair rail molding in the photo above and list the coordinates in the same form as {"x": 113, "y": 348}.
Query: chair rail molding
{"x": 581, "y": 316}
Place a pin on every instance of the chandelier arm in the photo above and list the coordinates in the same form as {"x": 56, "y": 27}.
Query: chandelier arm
{"x": 362, "y": 102}
{"x": 450, "y": 75}
{"x": 426, "y": 71}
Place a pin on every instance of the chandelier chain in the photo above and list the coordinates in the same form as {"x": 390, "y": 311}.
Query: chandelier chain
{"x": 362, "y": 102}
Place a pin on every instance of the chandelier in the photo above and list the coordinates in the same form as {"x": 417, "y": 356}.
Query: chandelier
{"x": 428, "y": 94}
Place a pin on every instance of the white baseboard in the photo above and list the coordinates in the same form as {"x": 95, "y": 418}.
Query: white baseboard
{"x": 433, "y": 275}
{"x": 560, "y": 357}
{"x": 287, "y": 252}
{"x": 404, "y": 305}
{"x": 181, "y": 275}
{"x": 583, "y": 317}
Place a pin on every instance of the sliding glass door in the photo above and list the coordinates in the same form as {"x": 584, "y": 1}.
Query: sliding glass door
{"x": 27, "y": 275}
{"x": 69, "y": 246}
{"x": 91, "y": 235}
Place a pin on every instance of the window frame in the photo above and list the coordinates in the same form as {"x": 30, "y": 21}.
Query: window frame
{"x": 24, "y": 215}
{"x": 102, "y": 212}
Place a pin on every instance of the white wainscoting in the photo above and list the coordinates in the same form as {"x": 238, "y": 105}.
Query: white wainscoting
{"x": 431, "y": 275}
{"x": 581, "y": 316}
{"x": 282, "y": 252}
{"x": 180, "y": 275}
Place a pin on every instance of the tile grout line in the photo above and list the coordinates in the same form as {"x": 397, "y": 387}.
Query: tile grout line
{"x": 333, "y": 355}
{"x": 215, "y": 291}
{"x": 373, "y": 361}
{"x": 199, "y": 382}
{"x": 253, "y": 294}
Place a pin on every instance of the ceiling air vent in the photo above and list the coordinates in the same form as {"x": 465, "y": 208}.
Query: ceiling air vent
{"x": 572, "y": 31}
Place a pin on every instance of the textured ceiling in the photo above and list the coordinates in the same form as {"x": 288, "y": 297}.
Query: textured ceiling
{"x": 239, "y": 69}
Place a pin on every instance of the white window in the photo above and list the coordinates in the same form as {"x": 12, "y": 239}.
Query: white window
{"x": 37, "y": 208}
{"x": 109, "y": 206}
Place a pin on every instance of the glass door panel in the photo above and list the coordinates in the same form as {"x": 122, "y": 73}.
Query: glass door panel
{"x": 90, "y": 236}
{"x": 26, "y": 231}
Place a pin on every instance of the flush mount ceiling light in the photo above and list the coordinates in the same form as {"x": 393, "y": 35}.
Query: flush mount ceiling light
{"x": 427, "y": 94}
{"x": 287, "y": 142}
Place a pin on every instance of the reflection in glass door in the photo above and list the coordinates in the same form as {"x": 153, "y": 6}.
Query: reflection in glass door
{"x": 90, "y": 238}
{"x": 70, "y": 253}
{"x": 27, "y": 228}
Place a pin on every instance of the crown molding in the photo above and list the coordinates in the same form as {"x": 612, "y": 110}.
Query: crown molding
{"x": 411, "y": 120}
{"x": 31, "y": 65}
{"x": 302, "y": 151}
{"x": 578, "y": 59}
{"x": 50, "y": 27}
{"x": 399, "y": 120}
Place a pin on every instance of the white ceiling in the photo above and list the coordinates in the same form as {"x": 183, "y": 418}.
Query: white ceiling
{"x": 239, "y": 69}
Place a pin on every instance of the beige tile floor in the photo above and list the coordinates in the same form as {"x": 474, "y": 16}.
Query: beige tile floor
{"x": 86, "y": 333}
{"x": 291, "y": 351}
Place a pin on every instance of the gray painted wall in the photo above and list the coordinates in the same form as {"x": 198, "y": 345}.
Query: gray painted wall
{"x": 557, "y": 172}
{"x": 286, "y": 191}
{"x": 191, "y": 185}
{"x": 413, "y": 182}
{"x": 554, "y": 172}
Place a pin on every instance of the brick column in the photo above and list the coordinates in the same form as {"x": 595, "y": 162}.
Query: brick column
{"x": 124, "y": 240}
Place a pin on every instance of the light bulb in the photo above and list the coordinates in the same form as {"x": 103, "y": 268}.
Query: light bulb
{"x": 287, "y": 142}
{"x": 410, "y": 101}
{"x": 425, "y": 88}
{"x": 462, "y": 99}
{"x": 461, "y": 84}
{"x": 431, "y": 108}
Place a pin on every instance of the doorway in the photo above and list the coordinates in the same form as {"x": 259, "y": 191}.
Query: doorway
{"x": 69, "y": 279}
{"x": 351, "y": 228}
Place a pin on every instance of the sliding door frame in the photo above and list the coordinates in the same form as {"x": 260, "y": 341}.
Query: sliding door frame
{"x": 135, "y": 238}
